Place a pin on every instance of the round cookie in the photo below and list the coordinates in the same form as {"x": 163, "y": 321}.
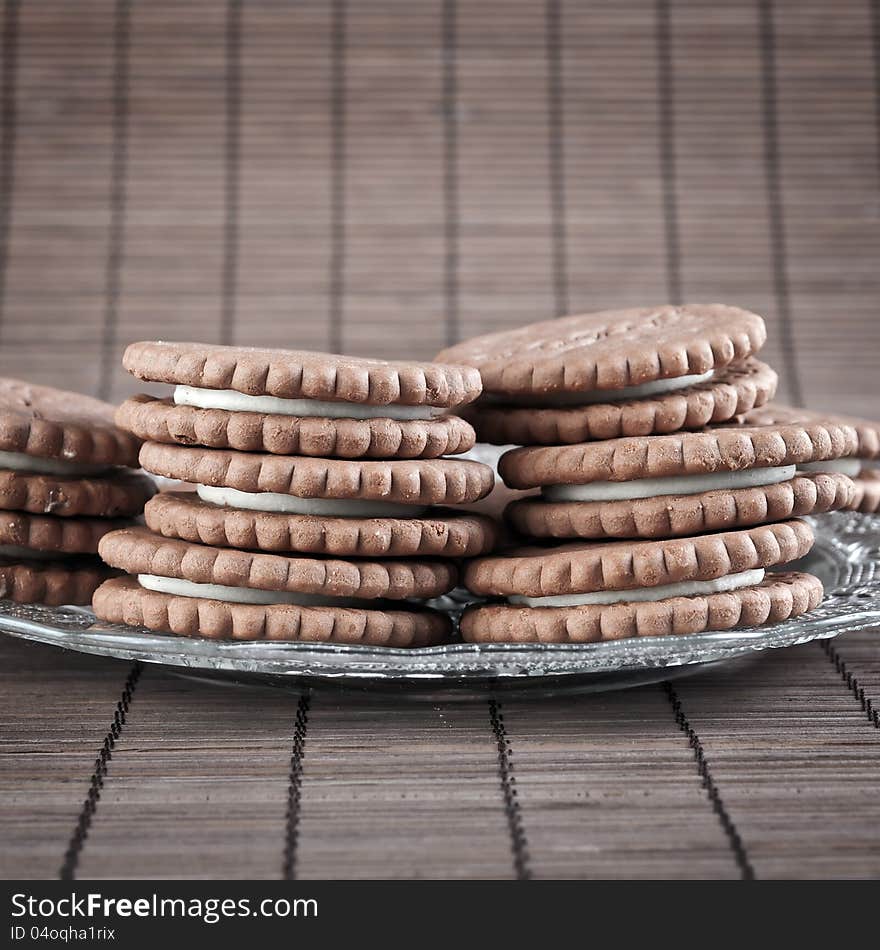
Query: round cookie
{"x": 866, "y": 497}
{"x": 586, "y": 567}
{"x": 722, "y": 449}
{"x": 56, "y": 537}
{"x": 667, "y": 516}
{"x": 122, "y": 600}
{"x": 582, "y": 592}
{"x": 53, "y": 583}
{"x": 681, "y": 484}
{"x": 778, "y": 597}
{"x": 403, "y": 482}
{"x": 73, "y": 431}
{"x": 161, "y": 420}
{"x": 301, "y": 374}
{"x": 867, "y": 432}
{"x": 732, "y": 390}
{"x": 610, "y": 350}
{"x": 139, "y": 551}
{"x": 440, "y": 533}
{"x": 110, "y": 496}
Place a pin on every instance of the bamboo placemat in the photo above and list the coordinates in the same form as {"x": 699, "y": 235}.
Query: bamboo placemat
{"x": 383, "y": 178}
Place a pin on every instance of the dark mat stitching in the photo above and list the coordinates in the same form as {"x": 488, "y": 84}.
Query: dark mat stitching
{"x": 556, "y": 157}
{"x": 118, "y": 171}
{"x": 294, "y": 788}
{"x": 232, "y": 172}
{"x": 512, "y": 810}
{"x": 337, "y": 174}
{"x": 773, "y": 179}
{"x": 666, "y": 131}
{"x": 747, "y": 872}
{"x": 96, "y": 782}
{"x": 451, "y": 224}
{"x": 9, "y": 125}
{"x": 868, "y": 707}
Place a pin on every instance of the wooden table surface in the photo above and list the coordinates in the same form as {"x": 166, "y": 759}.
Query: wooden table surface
{"x": 383, "y": 177}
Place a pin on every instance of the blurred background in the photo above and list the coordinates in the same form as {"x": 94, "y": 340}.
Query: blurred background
{"x": 385, "y": 176}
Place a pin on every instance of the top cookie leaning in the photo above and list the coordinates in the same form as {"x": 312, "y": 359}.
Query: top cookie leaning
{"x": 296, "y": 402}
{"x": 62, "y": 428}
{"x": 617, "y": 373}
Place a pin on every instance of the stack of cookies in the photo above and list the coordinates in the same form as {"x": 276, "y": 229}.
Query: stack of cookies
{"x": 583, "y": 592}
{"x": 65, "y": 482}
{"x": 320, "y": 504}
{"x": 669, "y": 510}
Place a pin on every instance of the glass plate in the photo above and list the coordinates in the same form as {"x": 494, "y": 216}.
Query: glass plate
{"x": 846, "y": 557}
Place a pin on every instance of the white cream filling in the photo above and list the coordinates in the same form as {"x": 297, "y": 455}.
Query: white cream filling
{"x": 663, "y": 592}
{"x": 676, "y": 485}
{"x": 242, "y": 595}
{"x": 848, "y": 466}
{"x": 655, "y": 387}
{"x": 234, "y": 401}
{"x": 31, "y": 554}
{"x": 20, "y": 462}
{"x": 294, "y": 505}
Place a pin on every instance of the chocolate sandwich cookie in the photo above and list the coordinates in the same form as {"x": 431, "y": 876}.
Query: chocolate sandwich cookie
{"x": 617, "y": 373}
{"x": 43, "y": 536}
{"x": 108, "y": 496}
{"x": 725, "y": 394}
{"x": 862, "y": 464}
{"x": 867, "y": 493}
{"x": 681, "y": 484}
{"x": 63, "y": 477}
{"x": 164, "y": 420}
{"x": 403, "y": 488}
{"x": 582, "y": 591}
{"x": 867, "y": 447}
{"x": 295, "y": 402}
{"x": 53, "y": 432}
{"x": 51, "y": 560}
{"x": 54, "y": 583}
{"x": 61, "y": 453}
{"x": 440, "y": 532}
{"x": 192, "y": 589}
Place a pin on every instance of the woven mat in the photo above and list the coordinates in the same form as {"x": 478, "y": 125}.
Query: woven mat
{"x": 383, "y": 178}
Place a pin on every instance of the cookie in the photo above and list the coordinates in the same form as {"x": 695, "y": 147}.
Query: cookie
{"x": 667, "y": 516}
{"x": 730, "y": 391}
{"x": 440, "y": 533}
{"x": 778, "y": 597}
{"x": 56, "y": 432}
{"x": 301, "y": 374}
{"x": 585, "y": 567}
{"x": 611, "y": 351}
{"x": 122, "y": 600}
{"x": 139, "y": 551}
{"x": 52, "y": 583}
{"x": 110, "y": 496}
{"x": 305, "y": 485}
{"x": 44, "y": 534}
{"x": 161, "y": 420}
{"x": 686, "y": 483}
{"x": 716, "y": 451}
{"x": 867, "y": 432}
{"x": 866, "y": 496}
